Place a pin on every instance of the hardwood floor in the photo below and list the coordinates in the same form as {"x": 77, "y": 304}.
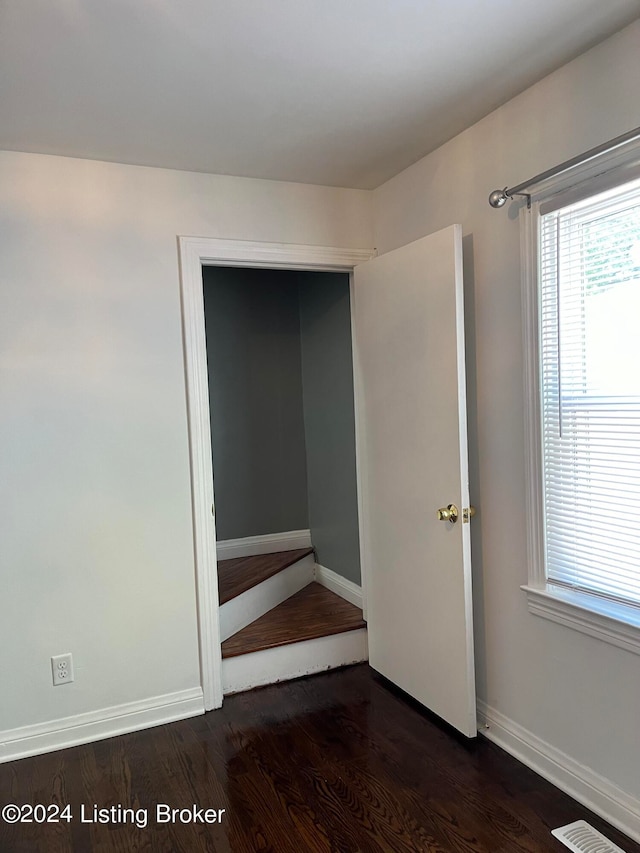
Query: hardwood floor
{"x": 336, "y": 763}
{"x": 312, "y": 612}
{"x": 242, "y": 573}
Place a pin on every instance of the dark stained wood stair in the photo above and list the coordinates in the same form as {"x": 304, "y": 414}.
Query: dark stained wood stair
{"x": 311, "y": 613}
{"x": 242, "y": 573}
{"x": 277, "y": 623}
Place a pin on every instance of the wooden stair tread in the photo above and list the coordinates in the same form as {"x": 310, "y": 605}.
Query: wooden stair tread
{"x": 311, "y": 613}
{"x": 242, "y": 573}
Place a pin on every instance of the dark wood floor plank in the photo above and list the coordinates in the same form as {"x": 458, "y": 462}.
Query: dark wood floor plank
{"x": 336, "y": 762}
{"x": 312, "y": 612}
{"x": 401, "y": 757}
{"x": 242, "y": 573}
{"x": 386, "y": 748}
{"x": 332, "y": 792}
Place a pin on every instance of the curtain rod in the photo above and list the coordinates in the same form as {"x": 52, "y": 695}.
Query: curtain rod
{"x": 499, "y": 197}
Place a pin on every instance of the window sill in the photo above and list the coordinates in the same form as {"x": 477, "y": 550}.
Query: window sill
{"x": 614, "y": 623}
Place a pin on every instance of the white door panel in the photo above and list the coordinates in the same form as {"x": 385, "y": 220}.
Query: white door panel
{"x": 409, "y": 340}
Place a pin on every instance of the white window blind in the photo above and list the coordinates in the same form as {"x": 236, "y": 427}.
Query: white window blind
{"x": 590, "y": 371}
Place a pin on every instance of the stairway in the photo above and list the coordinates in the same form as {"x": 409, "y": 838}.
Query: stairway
{"x": 277, "y": 622}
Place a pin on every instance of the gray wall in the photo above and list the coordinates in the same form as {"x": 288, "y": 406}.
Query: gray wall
{"x": 327, "y": 381}
{"x": 255, "y": 388}
{"x": 282, "y": 419}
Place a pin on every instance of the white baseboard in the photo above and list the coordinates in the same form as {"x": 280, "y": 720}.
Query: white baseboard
{"x": 98, "y": 725}
{"x": 346, "y": 589}
{"x": 250, "y": 546}
{"x": 583, "y": 784}
{"x": 255, "y": 602}
{"x": 269, "y": 666}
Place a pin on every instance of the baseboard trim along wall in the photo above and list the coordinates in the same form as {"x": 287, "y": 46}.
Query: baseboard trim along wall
{"x": 251, "y": 546}
{"x": 583, "y": 784}
{"x": 98, "y": 725}
{"x": 346, "y": 589}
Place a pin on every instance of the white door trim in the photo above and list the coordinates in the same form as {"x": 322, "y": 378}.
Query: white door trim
{"x": 194, "y": 253}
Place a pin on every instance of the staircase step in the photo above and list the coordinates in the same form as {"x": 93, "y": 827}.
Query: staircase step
{"x": 245, "y": 608}
{"x": 242, "y": 573}
{"x": 281, "y": 663}
{"x": 311, "y": 613}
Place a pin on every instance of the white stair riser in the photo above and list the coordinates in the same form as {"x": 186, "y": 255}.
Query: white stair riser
{"x": 269, "y": 666}
{"x": 255, "y": 602}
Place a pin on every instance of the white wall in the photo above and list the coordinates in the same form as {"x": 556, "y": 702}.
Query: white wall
{"x": 96, "y": 545}
{"x": 574, "y": 692}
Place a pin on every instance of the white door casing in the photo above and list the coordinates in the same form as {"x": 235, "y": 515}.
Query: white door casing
{"x": 409, "y": 346}
{"x": 194, "y": 253}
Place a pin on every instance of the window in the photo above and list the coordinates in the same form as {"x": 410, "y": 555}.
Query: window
{"x": 585, "y": 445}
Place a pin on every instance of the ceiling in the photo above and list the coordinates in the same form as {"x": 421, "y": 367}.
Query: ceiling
{"x": 338, "y": 92}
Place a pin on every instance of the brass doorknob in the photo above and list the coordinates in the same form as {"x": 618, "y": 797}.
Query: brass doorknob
{"x": 448, "y": 513}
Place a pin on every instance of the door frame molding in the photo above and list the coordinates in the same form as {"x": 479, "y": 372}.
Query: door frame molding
{"x": 194, "y": 253}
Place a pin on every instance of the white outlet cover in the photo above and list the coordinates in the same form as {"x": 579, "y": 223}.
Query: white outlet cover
{"x": 62, "y": 669}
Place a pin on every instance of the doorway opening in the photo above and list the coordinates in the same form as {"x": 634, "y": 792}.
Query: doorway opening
{"x": 281, "y": 398}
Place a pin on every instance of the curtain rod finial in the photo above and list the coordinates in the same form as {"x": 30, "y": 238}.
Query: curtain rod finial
{"x": 498, "y": 198}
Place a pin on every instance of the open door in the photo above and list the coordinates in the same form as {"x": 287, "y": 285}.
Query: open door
{"x": 412, "y": 439}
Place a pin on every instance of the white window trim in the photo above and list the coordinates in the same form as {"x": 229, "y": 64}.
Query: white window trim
{"x": 612, "y": 622}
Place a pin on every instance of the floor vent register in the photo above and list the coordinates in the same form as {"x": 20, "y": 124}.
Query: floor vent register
{"x": 583, "y": 838}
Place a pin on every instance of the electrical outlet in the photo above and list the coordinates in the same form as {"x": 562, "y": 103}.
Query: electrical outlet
{"x": 62, "y": 669}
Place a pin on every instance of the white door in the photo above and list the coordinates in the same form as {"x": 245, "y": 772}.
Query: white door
{"x": 412, "y": 449}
